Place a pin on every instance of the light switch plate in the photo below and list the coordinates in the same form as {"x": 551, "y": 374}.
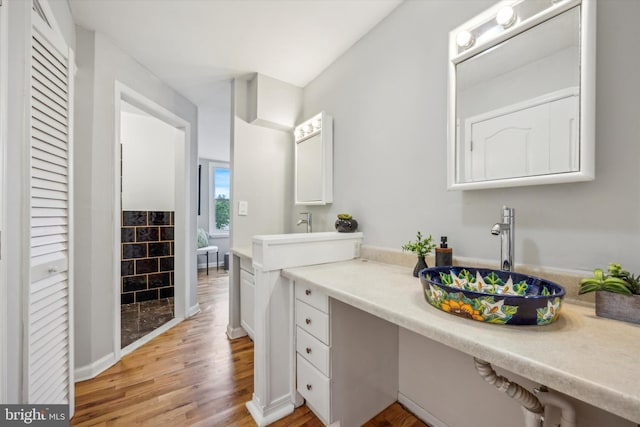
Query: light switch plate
{"x": 243, "y": 208}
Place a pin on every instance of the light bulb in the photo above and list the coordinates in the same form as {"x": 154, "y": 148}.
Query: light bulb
{"x": 506, "y": 17}
{"x": 465, "y": 39}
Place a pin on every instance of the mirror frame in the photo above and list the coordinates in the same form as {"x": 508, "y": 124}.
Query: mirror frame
{"x": 586, "y": 170}
{"x": 303, "y": 132}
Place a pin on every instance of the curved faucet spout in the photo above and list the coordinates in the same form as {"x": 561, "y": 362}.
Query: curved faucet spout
{"x": 506, "y": 231}
{"x": 305, "y": 220}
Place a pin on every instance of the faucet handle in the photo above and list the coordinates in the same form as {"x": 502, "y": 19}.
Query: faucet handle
{"x": 508, "y": 212}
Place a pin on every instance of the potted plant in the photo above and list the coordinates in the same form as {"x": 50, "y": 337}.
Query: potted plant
{"x": 421, "y": 247}
{"x": 346, "y": 224}
{"x": 617, "y": 293}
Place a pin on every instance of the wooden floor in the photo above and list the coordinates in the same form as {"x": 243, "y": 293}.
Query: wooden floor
{"x": 191, "y": 375}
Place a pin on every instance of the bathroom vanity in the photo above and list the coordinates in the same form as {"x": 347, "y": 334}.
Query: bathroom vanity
{"x": 574, "y": 356}
{"x": 327, "y": 331}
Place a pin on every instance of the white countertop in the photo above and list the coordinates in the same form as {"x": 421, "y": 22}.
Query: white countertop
{"x": 245, "y": 252}
{"x": 590, "y": 358}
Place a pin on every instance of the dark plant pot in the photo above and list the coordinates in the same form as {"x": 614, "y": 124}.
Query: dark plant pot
{"x": 618, "y": 306}
{"x": 420, "y": 265}
{"x": 346, "y": 225}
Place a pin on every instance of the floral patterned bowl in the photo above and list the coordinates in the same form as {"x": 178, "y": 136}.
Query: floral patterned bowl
{"x": 492, "y": 296}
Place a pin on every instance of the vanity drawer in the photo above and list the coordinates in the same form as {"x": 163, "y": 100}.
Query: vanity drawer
{"x": 313, "y": 321}
{"x": 246, "y": 264}
{"x": 314, "y": 387}
{"x": 313, "y": 350}
{"x": 312, "y": 297}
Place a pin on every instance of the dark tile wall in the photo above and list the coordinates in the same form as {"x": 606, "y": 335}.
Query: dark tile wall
{"x": 147, "y": 256}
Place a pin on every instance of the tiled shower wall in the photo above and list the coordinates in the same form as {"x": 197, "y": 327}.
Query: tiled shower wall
{"x": 147, "y": 256}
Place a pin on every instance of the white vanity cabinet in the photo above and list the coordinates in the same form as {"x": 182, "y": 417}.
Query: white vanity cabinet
{"x": 247, "y": 296}
{"x": 337, "y": 347}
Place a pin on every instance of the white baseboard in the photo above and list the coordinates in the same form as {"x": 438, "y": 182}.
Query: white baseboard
{"x": 234, "y": 333}
{"x": 263, "y": 417}
{"x": 419, "y": 411}
{"x": 193, "y": 310}
{"x": 203, "y": 265}
{"x": 91, "y": 370}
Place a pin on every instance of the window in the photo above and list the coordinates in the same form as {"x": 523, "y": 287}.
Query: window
{"x": 219, "y": 198}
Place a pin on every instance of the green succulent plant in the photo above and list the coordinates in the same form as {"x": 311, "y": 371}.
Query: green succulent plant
{"x": 344, "y": 216}
{"x": 616, "y": 280}
{"x": 421, "y": 246}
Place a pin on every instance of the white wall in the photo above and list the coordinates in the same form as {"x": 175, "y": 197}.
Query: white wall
{"x": 388, "y": 96}
{"x": 100, "y": 65}
{"x": 148, "y": 163}
{"x": 214, "y": 123}
{"x": 263, "y": 158}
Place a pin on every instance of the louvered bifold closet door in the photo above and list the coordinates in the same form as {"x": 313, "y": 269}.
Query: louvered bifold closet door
{"x": 48, "y": 314}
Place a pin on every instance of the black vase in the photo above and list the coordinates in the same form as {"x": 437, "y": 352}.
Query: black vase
{"x": 421, "y": 264}
{"x": 346, "y": 225}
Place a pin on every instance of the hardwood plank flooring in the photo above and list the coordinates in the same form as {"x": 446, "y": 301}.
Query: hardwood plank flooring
{"x": 192, "y": 375}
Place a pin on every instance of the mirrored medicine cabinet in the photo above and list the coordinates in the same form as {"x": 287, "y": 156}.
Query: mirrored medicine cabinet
{"x": 314, "y": 161}
{"x": 522, "y": 95}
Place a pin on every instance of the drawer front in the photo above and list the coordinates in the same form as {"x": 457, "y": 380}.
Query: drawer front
{"x": 313, "y": 321}
{"x": 313, "y": 351}
{"x": 314, "y": 387}
{"x": 247, "y": 298}
{"x": 312, "y": 297}
{"x": 246, "y": 264}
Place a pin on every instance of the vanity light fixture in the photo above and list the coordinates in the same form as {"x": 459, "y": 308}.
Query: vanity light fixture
{"x": 308, "y": 128}
{"x": 506, "y": 17}
{"x": 465, "y": 39}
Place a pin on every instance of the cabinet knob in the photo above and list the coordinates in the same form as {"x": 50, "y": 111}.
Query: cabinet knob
{"x": 309, "y": 387}
{"x": 308, "y": 321}
{"x": 308, "y": 350}
{"x": 307, "y": 292}
{"x": 52, "y": 269}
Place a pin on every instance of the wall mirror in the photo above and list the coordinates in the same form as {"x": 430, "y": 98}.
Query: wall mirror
{"x": 314, "y": 161}
{"x": 522, "y": 95}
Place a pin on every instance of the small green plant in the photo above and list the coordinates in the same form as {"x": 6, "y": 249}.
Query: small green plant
{"x": 616, "y": 280}
{"x": 344, "y": 216}
{"x": 421, "y": 246}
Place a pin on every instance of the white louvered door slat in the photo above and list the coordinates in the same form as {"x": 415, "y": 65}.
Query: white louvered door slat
{"x": 48, "y": 299}
{"x": 55, "y": 100}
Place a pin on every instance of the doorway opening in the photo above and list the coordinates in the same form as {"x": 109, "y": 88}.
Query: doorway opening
{"x": 153, "y": 285}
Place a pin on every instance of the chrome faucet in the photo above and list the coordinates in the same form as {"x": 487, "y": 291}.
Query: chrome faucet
{"x": 506, "y": 230}
{"x": 306, "y": 220}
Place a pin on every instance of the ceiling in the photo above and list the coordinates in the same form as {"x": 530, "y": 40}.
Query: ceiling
{"x": 195, "y": 44}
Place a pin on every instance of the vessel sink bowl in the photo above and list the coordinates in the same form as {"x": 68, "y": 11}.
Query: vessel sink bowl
{"x": 492, "y": 296}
